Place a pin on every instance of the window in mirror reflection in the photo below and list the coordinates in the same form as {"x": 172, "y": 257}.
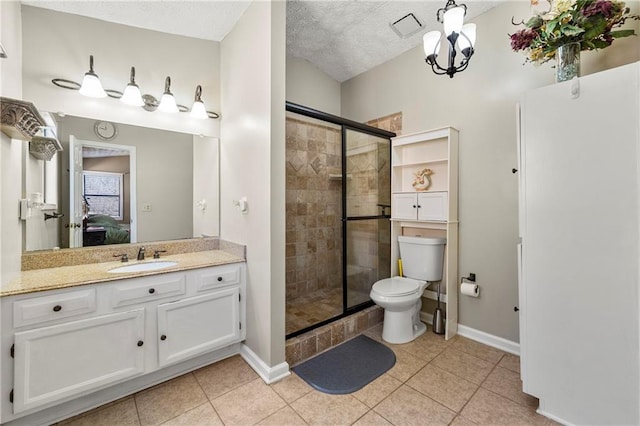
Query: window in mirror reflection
{"x": 102, "y": 193}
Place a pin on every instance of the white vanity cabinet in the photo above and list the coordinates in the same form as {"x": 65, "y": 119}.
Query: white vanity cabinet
{"x": 180, "y": 331}
{"x": 76, "y": 356}
{"x": 95, "y": 341}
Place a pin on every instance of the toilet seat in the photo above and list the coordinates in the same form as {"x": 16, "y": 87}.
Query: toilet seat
{"x": 397, "y": 286}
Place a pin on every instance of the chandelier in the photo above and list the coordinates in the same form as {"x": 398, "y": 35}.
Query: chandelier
{"x": 458, "y": 35}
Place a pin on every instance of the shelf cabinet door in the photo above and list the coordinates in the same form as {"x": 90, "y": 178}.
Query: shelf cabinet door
{"x": 404, "y": 206}
{"x": 198, "y": 324}
{"x": 61, "y": 361}
{"x": 433, "y": 206}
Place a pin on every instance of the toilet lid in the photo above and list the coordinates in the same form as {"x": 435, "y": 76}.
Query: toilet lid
{"x": 397, "y": 286}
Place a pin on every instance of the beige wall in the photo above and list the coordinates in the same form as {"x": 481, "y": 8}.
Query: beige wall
{"x": 311, "y": 87}
{"x": 252, "y": 165}
{"x": 481, "y": 103}
{"x": 58, "y": 45}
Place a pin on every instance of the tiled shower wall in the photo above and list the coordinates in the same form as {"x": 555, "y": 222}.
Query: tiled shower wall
{"x": 313, "y": 206}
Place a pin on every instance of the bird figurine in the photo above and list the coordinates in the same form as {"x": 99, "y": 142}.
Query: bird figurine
{"x": 422, "y": 180}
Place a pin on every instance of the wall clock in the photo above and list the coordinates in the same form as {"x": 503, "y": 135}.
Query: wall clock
{"x": 105, "y": 130}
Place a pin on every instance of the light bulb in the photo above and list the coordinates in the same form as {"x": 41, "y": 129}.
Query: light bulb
{"x": 91, "y": 85}
{"x": 168, "y": 102}
{"x": 468, "y": 30}
{"x": 453, "y": 20}
{"x": 198, "y": 110}
{"x": 431, "y": 42}
{"x": 132, "y": 95}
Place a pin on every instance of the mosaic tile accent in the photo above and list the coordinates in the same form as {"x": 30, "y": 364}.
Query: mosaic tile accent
{"x": 391, "y": 122}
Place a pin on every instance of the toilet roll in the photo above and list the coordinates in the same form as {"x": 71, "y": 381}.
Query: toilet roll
{"x": 470, "y": 289}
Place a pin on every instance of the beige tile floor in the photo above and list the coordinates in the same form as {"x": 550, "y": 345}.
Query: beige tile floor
{"x": 457, "y": 382}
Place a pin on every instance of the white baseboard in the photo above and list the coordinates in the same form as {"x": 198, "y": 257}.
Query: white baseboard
{"x": 541, "y": 410}
{"x": 480, "y": 336}
{"x": 267, "y": 374}
{"x": 489, "y": 339}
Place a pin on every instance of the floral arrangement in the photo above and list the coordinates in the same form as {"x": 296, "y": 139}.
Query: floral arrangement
{"x": 588, "y": 22}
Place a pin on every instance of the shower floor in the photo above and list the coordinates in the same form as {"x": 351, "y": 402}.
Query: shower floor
{"x": 310, "y": 309}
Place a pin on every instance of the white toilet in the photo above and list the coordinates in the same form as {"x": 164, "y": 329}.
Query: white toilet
{"x": 422, "y": 260}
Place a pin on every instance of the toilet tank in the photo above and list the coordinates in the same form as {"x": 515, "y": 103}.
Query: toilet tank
{"x": 422, "y": 257}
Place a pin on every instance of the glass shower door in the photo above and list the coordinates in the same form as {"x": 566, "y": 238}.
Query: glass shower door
{"x": 367, "y": 207}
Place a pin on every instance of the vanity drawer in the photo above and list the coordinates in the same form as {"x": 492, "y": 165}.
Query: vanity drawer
{"x": 139, "y": 290}
{"x": 49, "y": 308}
{"x": 218, "y": 277}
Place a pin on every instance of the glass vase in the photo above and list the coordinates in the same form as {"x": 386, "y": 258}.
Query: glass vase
{"x": 567, "y": 62}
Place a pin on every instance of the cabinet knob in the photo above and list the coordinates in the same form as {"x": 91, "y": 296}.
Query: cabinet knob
{"x": 57, "y": 308}
{"x": 414, "y": 206}
{"x": 514, "y": 171}
{"x": 152, "y": 290}
{"x": 419, "y": 206}
{"x": 219, "y": 279}
{"x": 163, "y": 337}
{"x": 516, "y": 309}
{"x": 140, "y": 343}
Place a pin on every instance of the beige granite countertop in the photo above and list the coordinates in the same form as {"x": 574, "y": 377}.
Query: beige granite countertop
{"x": 77, "y": 275}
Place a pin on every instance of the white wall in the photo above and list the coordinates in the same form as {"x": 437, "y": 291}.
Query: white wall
{"x": 481, "y": 103}
{"x": 58, "y": 45}
{"x": 252, "y": 165}
{"x": 309, "y": 86}
{"x": 10, "y": 150}
{"x": 206, "y": 185}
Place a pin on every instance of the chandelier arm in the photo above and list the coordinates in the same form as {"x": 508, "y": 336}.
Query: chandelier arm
{"x": 435, "y": 66}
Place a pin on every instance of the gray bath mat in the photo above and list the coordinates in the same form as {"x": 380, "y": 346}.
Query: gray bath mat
{"x": 347, "y": 367}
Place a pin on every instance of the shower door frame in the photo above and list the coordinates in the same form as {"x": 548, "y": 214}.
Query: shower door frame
{"x": 345, "y": 125}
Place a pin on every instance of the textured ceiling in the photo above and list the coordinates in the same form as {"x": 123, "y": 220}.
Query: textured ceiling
{"x": 205, "y": 19}
{"x": 343, "y": 38}
{"x": 346, "y": 38}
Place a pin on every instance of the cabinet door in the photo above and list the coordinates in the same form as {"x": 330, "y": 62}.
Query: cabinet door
{"x": 52, "y": 363}
{"x": 404, "y": 206}
{"x": 433, "y": 206}
{"x": 199, "y": 324}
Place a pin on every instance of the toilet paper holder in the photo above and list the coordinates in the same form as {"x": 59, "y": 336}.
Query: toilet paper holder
{"x": 471, "y": 278}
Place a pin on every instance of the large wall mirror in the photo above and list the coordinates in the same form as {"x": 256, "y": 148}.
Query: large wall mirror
{"x": 142, "y": 185}
{"x": 126, "y": 174}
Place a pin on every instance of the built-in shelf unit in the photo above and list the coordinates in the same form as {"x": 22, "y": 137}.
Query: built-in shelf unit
{"x": 430, "y": 211}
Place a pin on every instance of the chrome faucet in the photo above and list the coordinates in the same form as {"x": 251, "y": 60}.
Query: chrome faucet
{"x": 141, "y": 253}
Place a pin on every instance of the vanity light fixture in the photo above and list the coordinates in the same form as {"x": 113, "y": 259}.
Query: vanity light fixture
{"x": 132, "y": 95}
{"x": 91, "y": 85}
{"x": 168, "y": 102}
{"x": 198, "y": 110}
{"x": 452, "y": 18}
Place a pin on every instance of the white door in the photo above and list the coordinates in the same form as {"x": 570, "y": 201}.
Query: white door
{"x": 580, "y": 248}
{"x": 192, "y": 326}
{"x": 66, "y": 360}
{"x": 404, "y": 206}
{"x": 75, "y": 192}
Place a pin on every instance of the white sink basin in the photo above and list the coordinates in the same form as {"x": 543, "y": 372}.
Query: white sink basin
{"x": 142, "y": 267}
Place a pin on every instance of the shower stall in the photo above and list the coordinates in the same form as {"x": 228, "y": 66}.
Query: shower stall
{"x": 338, "y": 206}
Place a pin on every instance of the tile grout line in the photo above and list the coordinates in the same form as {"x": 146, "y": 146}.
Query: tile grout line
{"x": 479, "y": 386}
